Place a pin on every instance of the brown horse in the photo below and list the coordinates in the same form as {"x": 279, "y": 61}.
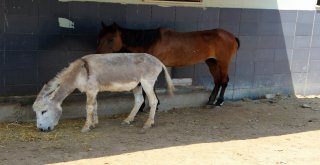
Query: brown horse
{"x": 174, "y": 49}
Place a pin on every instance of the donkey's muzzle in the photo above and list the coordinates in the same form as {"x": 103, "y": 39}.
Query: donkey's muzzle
{"x": 45, "y": 130}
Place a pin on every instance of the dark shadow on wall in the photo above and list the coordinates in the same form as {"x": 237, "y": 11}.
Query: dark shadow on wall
{"x": 36, "y": 46}
{"x": 278, "y": 51}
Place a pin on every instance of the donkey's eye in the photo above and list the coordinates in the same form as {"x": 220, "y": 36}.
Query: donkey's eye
{"x": 43, "y": 112}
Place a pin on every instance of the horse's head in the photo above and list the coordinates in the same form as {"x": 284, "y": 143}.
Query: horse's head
{"x": 109, "y": 39}
{"x": 47, "y": 111}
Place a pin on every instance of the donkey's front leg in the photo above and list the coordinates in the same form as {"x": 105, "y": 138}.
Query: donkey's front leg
{"x": 91, "y": 108}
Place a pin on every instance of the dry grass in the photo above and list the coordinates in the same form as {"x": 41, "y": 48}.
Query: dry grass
{"x": 27, "y": 132}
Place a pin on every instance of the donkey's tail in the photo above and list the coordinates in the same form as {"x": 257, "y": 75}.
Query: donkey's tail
{"x": 170, "y": 86}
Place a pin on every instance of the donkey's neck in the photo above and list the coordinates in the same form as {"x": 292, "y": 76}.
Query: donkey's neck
{"x": 67, "y": 81}
{"x": 62, "y": 92}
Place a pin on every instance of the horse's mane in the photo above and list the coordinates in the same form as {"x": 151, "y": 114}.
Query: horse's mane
{"x": 139, "y": 38}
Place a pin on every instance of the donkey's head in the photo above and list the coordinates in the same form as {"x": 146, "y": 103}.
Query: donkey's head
{"x": 47, "y": 110}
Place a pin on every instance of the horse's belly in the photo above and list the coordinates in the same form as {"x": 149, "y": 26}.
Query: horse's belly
{"x": 179, "y": 60}
{"x": 179, "y": 56}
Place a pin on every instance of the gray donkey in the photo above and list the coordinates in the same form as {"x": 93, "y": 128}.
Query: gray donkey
{"x": 101, "y": 72}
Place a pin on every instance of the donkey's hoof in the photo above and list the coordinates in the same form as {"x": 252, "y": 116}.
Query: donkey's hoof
{"x": 142, "y": 131}
{"x": 147, "y": 126}
{"x": 125, "y": 122}
{"x": 83, "y": 130}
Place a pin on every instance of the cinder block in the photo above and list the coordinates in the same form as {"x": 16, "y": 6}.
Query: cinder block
{"x": 24, "y": 7}
{"x": 53, "y": 8}
{"x": 87, "y": 10}
{"x": 305, "y": 16}
{"x": 303, "y": 29}
{"x": 138, "y": 13}
{"x": 230, "y": 15}
{"x": 250, "y": 15}
{"x": 21, "y": 42}
{"x": 302, "y": 42}
{"x": 21, "y": 24}
{"x": 112, "y": 12}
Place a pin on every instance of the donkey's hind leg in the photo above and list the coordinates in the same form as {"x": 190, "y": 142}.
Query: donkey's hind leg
{"x": 95, "y": 115}
{"x": 148, "y": 86}
{"x": 138, "y": 100}
{"x": 91, "y": 108}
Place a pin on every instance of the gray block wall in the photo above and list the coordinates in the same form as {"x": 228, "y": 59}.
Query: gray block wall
{"x": 279, "y": 50}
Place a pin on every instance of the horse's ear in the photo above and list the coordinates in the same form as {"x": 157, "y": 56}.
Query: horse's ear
{"x": 103, "y": 25}
{"x": 114, "y": 25}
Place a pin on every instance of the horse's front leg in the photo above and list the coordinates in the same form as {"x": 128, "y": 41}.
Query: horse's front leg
{"x": 91, "y": 109}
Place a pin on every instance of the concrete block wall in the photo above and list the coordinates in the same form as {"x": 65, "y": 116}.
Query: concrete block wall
{"x": 278, "y": 53}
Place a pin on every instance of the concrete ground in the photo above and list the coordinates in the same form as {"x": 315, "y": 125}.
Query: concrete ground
{"x": 20, "y": 108}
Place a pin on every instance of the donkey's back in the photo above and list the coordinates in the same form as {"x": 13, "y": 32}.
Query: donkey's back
{"x": 119, "y": 71}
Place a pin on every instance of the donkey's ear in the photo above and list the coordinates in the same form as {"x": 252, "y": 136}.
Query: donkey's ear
{"x": 103, "y": 25}
{"x": 52, "y": 93}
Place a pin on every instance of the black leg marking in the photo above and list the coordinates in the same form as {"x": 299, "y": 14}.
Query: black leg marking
{"x": 157, "y": 98}
{"x": 219, "y": 102}
{"x": 141, "y": 109}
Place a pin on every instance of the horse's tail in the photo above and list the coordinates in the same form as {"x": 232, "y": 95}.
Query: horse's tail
{"x": 170, "y": 86}
{"x": 238, "y": 41}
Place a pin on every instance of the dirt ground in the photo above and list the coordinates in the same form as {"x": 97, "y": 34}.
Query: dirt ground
{"x": 276, "y": 131}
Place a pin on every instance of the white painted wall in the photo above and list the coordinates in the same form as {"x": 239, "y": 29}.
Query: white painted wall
{"x": 257, "y": 4}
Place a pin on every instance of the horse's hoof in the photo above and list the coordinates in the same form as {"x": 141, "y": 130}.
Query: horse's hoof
{"x": 209, "y": 106}
{"x": 219, "y": 104}
{"x": 85, "y": 130}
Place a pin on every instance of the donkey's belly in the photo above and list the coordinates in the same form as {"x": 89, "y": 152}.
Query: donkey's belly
{"x": 118, "y": 86}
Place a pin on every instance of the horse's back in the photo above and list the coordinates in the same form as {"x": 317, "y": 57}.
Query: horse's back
{"x": 187, "y": 48}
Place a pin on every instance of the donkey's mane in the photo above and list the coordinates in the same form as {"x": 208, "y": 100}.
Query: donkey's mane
{"x": 139, "y": 38}
{"x": 65, "y": 73}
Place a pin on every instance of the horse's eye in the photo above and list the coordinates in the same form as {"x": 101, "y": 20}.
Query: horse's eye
{"x": 43, "y": 112}
{"x": 111, "y": 40}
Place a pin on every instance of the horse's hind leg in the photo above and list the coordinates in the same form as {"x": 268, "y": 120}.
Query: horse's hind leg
{"x": 138, "y": 100}
{"x": 148, "y": 86}
{"x": 91, "y": 108}
{"x": 141, "y": 109}
{"x": 214, "y": 70}
{"x": 224, "y": 82}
